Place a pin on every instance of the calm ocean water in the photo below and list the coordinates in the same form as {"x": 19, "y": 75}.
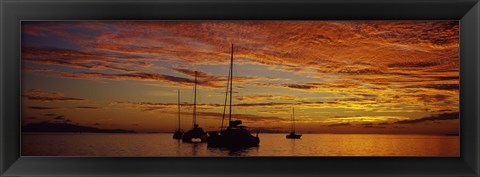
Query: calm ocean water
{"x": 89, "y": 144}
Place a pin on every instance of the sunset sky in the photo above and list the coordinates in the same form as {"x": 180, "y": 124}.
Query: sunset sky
{"x": 341, "y": 76}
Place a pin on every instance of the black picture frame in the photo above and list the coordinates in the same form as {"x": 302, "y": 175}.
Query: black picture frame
{"x": 14, "y": 11}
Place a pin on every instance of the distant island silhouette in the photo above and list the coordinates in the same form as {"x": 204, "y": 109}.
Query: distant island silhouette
{"x": 65, "y": 127}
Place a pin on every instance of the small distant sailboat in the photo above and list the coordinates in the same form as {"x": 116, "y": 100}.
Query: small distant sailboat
{"x": 235, "y": 136}
{"x": 196, "y": 134}
{"x": 179, "y": 133}
{"x": 292, "y": 134}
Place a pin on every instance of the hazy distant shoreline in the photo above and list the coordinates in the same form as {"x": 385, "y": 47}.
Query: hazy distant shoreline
{"x": 68, "y": 128}
{"x": 46, "y": 127}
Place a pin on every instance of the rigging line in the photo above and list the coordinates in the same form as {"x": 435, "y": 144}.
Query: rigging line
{"x": 190, "y": 106}
{"x": 195, "y": 101}
{"x": 231, "y": 88}
{"x": 239, "y": 95}
{"x": 226, "y": 98}
{"x": 178, "y": 105}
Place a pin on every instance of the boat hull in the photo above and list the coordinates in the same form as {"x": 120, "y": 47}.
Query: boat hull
{"x": 293, "y": 136}
{"x": 232, "y": 141}
{"x": 196, "y": 135}
{"x": 177, "y": 135}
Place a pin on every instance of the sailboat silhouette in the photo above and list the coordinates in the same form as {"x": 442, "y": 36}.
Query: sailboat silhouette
{"x": 235, "y": 136}
{"x": 292, "y": 134}
{"x": 179, "y": 133}
{"x": 196, "y": 134}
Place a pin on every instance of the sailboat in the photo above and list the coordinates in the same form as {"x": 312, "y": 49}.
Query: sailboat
{"x": 179, "y": 133}
{"x": 235, "y": 136}
{"x": 196, "y": 134}
{"x": 292, "y": 134}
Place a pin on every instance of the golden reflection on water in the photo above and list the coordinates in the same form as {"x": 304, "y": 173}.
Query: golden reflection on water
{"x": 84, "y": 144}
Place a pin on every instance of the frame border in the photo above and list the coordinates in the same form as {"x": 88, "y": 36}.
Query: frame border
{"x": 13, "y": 11}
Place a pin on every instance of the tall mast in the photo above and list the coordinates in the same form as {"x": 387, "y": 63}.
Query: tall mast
{"x": 195, "y": 101}
{"x": 178, "y": 105}
{"x": 291, "y": 122}
{"x": 293, "y": 119}
{"x": 231, "y": 83}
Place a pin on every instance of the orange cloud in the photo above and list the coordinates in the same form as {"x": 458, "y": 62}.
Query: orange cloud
{"x": 267, "y": 97}
{"x": 444, "y": 116}
{"x": 49, "y": 96}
